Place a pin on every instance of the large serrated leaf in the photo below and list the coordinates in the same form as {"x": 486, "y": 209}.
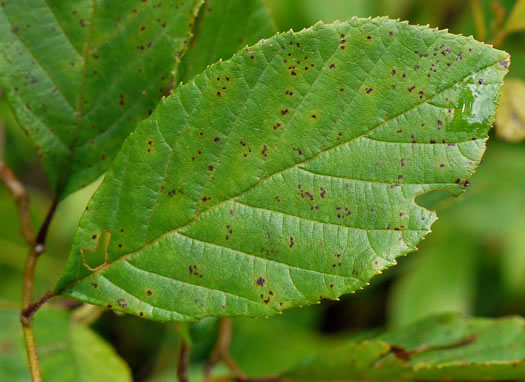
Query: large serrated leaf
{"x": 287, "y": 174}
{"x": 447, "y": 347}
{"x": 222, "y": 28}
{"x": 68, "y": 352}
{"x": 81, "y": 74}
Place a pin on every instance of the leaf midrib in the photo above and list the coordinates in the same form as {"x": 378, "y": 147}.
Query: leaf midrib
{"x": 297, "y": 165}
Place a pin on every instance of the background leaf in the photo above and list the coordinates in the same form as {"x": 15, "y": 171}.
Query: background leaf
{"x": 68, "y": 352}
{"x": 270, "y": 196}
{"x": 510, "y": 117}
{"x": 445, "y": 347}
{"x": 516, "y": 20}
{"x": 222, "y": 28}
{"x": 82, "y": 76}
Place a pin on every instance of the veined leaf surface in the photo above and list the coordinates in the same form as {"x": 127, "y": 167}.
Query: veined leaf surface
{"x": 288, "y": 173}
{"x": 447, "y": 347}
{"x": 222, "y": 28}
{"x": 80, "y": 75}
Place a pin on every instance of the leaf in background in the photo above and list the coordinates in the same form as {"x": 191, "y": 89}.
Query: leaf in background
{"x": 222, "y": 28}
{"x": 280, "y": 344}
{"x": 287, "y": 174}
{"x": 440, "y": 278}
{"x": 67, "y": 351}
{"x": 510, "y": 116}
{"x": 516, "y": 20}
{"x": 81, "y": 74}
{"x": 441, "y": 348}
{"x": 298, "y": 14}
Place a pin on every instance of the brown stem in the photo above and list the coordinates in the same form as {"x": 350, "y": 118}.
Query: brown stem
{"x": 32, "y": 356}
{"x": 29, "y": 308}
{"x": 221, "y": 351}
{"x": 184, "y": 358}
{"x": 44, "y": 228}
{"x": 27, "y": 313}
{"x": 19, "y": 194}
{"x": 36, "y": 244}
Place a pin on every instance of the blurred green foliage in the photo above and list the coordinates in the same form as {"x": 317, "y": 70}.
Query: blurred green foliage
{"x": 473, "y": 262}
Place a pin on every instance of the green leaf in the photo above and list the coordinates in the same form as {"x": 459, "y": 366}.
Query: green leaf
{"x": 510, "y": 116}
{"x": 81, "y": 74}
{"x": 67, "y": 351}
{"x": 442, "y": 278}
{"x": 516, "y": 20}
{"x": 287, "y": 174}
{"x": 445, "y": 347}
{"x": 280, "y": 344}
{"x": 222, "y": 28}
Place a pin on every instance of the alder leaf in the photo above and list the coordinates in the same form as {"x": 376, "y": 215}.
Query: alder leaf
{"x": 81, "y": 74}
{"x": 222, "y": 28}
{"x": 67, "y": 351}
{"x": 446, "y": 347}
{"x": 288, "y": 173}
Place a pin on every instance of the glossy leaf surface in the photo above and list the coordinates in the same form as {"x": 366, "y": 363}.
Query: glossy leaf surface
{"x": 288, "y": 173}
{"x": 68, "y": 352}
{"x": 81, "y": 74}
{"x": 222, "y": 28}
{"x": 441, "y": 348}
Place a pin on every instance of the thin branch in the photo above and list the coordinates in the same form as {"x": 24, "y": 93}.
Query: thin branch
{"x": 32, "y": 356}
{"x": 27, "y": 313}
{"x": 36, "y": 244}
{"x": 221, "y": 351}
{"x": 183, "y": 362}
{"x": 19, "y": 194}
